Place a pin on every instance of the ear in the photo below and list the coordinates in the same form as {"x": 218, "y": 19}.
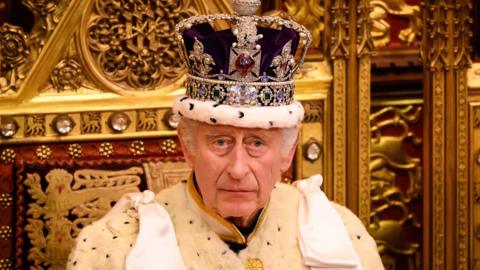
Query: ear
{"x": 287, "y": 159}
{"x": 187, "y": 153}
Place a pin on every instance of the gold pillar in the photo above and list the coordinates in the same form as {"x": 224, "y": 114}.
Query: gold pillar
{"x": 350, "y": 49}
{"x": 446, "y": 57}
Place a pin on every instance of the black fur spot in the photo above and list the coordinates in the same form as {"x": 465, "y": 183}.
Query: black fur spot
{"x": 213, "y": 120}
{"x": 184, "y": 98}
{"x": 241, "y": 114}
{"x": 216, "y": 105}
{"x": 271, "y": 123}
{"x": 179, "y": 113}
{"x": 191, "y": 106}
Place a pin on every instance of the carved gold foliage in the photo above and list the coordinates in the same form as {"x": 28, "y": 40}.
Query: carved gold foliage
{"x": 14, "y": 58}
{"x": 137, "y": 148}
{"x": 313, "y": 111}
{"x": 48, "y": 11}
{"x": 91, "y": 122}
{"x": 67, "y": 76}
{"x": 339, "y": 134}
{"x": 87, "y": 195}
{"x": 43, "y": 152}
{"x": 35, "y": 125}
{"x": 388, "y": 160}
{"x": 6, "y": 200}
{"x": 147, "y": 120}
{"x": 381, "y": 9}
{"x": 161, "y": 175}
{"x": 105, "y": 149}
{"x": 309, "y": 13}
{"x": 132, "y": 43}
{"x": 364, "y": 39}
{"x": 8, "y": 155}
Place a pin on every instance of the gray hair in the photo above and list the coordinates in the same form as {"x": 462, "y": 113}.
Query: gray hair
{"x": 188, "y": 128}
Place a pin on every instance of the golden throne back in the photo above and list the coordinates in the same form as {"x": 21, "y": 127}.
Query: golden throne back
{"x": 85, "y": 96}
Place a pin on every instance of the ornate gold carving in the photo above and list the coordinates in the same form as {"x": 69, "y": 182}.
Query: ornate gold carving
{"x": 313, "y": 111}
{"x": 35, "y": 125}
{"x": 48, "y": 11}
{"x": 364, "y": 38}
{"x": 381, "y": 28}
{"x": 254, "y": 264}
{"x": 14, "y": 54}
{"x": 339, "y": 39}
{"x": 74, "y": 150}
{"x": 133, "y": 44}
{"x": 137, "y": 148}
{"x": 476, "y": 193}
{"x": 91, "y": 122}
{"x": 364, "y": 136}
{"x": 67, "y": 76}
{"x": 476, "y": 117}
{"x": 105, "y": 149}
{"x": 309, "y": 13}
{"x": 161, "y": 175}
{"x": 169, "y": 146}
{"x": 339, "y": 133}
{"x": 388, "y": 160}
{"x": 6, "y": 232}
{"x": 6, "y": 200}
{"x": 87, "y": 195}
{"x": 147, "y": 120}
{"x": 8, "y": 155}
{"x": 6, "y": 264}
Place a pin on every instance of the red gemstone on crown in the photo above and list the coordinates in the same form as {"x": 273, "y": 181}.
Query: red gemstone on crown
{"x": 244, "y": 64}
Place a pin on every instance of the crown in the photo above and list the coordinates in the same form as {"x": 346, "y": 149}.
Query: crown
{"x": 252, "y": 63}
{"x": 242, "y": 74}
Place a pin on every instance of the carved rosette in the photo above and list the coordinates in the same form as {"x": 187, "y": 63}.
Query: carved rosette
{"x": 132, "y": 44}
{"x": 67, "y": 76}
{"x": 14, "y": 53}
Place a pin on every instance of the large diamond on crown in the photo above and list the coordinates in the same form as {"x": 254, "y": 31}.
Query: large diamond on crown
{"x": 242, "y": 95}
{"x": 244, "y": 64}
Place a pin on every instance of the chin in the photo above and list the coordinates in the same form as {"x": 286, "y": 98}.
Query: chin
{"x": 237, "y": 210}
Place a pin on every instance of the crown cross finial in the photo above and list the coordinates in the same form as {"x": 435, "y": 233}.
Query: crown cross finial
{"x": 246, "y": 7}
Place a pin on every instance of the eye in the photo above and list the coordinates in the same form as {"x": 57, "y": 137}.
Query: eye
{"x": 221, "y": 145}
{"x": 256, "y": 146}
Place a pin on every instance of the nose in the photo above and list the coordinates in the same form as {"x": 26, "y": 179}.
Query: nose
{"x": 238, "y": 166}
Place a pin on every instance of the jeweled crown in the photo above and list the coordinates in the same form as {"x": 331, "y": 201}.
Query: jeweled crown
{"x": 252, "y": 63}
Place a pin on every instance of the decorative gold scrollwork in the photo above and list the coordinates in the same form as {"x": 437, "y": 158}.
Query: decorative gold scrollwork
{"x": 309, "y": 13}
{"x": 48, "y": 11}
{"x": 389, "y": 160}
{"x": 147, "y": 120}
{"x": 133, "y": 42}
{"x": 87, "y": 195}
{"x": 91, "y": 122}
{"x": 67, "y": 76}
{"x": 14, "y": 53}
{"x": 35, "y": 125}
{"x": 381, "y": 28}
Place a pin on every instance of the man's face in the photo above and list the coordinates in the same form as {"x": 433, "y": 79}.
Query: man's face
{"x": 236, "y": 168}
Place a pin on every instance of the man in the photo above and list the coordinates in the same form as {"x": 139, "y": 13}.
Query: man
{"x": 239, "y": 130}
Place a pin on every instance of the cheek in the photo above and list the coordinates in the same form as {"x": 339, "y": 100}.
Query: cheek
{"x": 267, "y": 172}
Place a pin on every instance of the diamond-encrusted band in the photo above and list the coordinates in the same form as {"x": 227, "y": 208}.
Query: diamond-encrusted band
{"x": 240, "y": 93}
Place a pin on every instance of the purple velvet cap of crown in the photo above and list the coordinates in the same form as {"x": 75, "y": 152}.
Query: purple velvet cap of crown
{"x": 218, "y": 44}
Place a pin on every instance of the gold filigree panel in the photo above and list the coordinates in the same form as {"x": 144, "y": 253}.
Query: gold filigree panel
{"x": 396, "y": 185}
{"x": 86, "y": 194}
{"x": 130, "y": 45}
{"x": 161, "y": 175}
{"x": 309, "y": 13}
{"x": 381, "y": 9}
